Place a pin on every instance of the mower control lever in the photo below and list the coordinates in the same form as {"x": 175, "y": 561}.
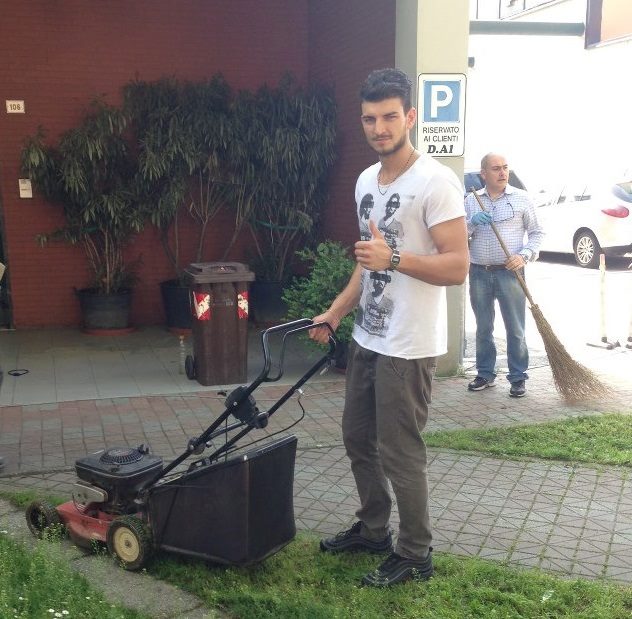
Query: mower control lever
{"x": 242, "y": 405}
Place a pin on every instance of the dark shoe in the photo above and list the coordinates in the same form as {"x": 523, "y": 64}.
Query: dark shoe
{"x": 517, "y": 390}
{"x": 398, "y": 569}
{"x": 1, "y": 462}
{"x": 480, "y": 383}
{"x": 352, "y": 541}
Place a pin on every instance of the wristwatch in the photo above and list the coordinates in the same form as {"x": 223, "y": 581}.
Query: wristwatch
{"x": 395, "y": 259}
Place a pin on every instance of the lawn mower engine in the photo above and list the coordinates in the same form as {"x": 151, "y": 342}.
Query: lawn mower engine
{"x": 112, "y": 478}
{"x": 108, "y": 485}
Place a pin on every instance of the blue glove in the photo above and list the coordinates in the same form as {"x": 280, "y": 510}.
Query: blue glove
{"x": 480, "y": 218}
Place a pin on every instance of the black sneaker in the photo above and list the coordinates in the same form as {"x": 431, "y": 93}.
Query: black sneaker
{"x": 351, "y": 541}
{"x": 517, "y": 390}
{"x": 398, "y": 569}
{"x": 480, "y": 383}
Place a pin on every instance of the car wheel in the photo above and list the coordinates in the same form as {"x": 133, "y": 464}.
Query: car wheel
{"x": 587, "y": 250}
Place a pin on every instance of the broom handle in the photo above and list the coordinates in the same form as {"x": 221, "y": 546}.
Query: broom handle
{"x": 521, "y": 281}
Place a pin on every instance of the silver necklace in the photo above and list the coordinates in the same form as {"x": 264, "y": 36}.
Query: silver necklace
{"x": 387, "y": 185}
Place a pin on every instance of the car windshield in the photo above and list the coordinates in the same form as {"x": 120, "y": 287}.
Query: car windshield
{"x": 472, "y": 181}
{"x": 623, "y": 191}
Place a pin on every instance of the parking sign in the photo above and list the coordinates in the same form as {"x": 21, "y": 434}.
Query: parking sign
{"x": 441, "y": 114}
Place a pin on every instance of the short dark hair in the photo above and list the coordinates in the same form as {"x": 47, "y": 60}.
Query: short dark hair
{"x": 385, "y": 84}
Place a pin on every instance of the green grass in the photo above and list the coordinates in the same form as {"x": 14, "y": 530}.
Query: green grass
{"x": 603, "y": 439}
{"x": 34, "y": 583}
{"x": 301, "y": 582}
{"x": 22, "y": 498}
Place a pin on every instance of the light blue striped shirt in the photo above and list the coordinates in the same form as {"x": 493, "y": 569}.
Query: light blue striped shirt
{"x": 515, "y": 219}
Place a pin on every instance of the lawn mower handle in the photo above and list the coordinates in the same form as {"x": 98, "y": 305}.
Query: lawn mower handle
{"x": 287, "y": 329}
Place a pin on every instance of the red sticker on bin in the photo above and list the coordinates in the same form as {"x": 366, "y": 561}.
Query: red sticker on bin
{"x": 242, "y": 304}
{"x": 202, "y": 305}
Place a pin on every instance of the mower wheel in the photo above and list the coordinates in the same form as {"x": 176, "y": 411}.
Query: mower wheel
{"x": 129, "y": 540}
{"x": 41, "y": 516}
{"x": 189, "y": 367}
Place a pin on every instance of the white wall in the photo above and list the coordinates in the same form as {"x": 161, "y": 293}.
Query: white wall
{"x": 555, "y": 109}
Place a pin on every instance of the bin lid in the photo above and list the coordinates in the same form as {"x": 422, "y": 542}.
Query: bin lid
{"x": 210, "y": 272}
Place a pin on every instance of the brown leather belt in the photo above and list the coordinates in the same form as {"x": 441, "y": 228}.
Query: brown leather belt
{"x": 490, "y": 267}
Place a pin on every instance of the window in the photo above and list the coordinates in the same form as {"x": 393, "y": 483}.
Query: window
{"x": 502, "y": 9}
{"x": 511, "y": 7}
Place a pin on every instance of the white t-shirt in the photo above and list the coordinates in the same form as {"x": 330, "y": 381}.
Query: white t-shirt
{"x": 398, "y": 315}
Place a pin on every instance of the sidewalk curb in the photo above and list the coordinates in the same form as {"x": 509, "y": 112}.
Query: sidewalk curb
{"x": 135, "y": 590}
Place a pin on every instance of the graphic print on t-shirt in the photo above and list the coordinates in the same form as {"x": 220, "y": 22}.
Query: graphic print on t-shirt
{"x": 377, "y": 308}
{"x": 366, "y": 204}
{"x": 389, "y": 226}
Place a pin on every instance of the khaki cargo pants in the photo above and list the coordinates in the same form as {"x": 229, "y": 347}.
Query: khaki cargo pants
{"x": 386, "y": 409}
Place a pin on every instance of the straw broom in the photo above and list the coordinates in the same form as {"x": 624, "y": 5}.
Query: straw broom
{"x": 573, "y": 380}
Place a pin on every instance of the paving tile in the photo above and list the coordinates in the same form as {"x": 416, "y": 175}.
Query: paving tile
{"x": 556, "y": 564}
{"x": 569, "y": 519}
{"x": 588, "y": 570}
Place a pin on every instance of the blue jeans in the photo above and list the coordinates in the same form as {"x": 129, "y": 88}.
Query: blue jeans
{"x": 485, "y": 288}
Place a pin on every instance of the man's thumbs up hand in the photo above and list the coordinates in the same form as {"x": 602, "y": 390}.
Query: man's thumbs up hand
{"x": 374, "y": 255}
{"x": 375, "y": 231}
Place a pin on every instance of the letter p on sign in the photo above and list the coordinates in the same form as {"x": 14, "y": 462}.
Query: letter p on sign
{"x": 441, "y": 101}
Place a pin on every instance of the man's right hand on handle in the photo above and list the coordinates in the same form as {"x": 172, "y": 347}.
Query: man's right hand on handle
{"x": 321, "y": 334}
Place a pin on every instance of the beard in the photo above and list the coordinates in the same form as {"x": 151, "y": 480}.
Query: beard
{"x": 389, "y": 151}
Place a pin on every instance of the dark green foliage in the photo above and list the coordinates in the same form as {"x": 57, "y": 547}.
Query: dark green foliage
{"x": 331, "y": 268}
{"x": 192, "y": 147}
{"x": 289, "y": 137}
{"x": 90, "y": 173}
{"x": 263, "y": 155}
{"x": 183, "y": 131}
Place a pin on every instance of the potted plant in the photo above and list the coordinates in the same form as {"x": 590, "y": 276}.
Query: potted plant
{"x": 306, "y": 297}
{"x": 290, "y": 147}
{"x": 183, "y": 134}
{"x": 90, "y": 174}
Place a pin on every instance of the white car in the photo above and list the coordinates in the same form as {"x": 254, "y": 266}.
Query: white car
{"x": 588, "y": 223}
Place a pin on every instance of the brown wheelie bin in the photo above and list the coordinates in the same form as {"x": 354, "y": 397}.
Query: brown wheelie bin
{"x": 219, "y": 297}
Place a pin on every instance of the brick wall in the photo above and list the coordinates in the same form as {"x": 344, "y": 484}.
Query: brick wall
{"x": 57, "y": 55}
{"x": 347, "y": 41}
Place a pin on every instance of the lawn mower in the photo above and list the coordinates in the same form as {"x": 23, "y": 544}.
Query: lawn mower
{"x": 234, "y": 506}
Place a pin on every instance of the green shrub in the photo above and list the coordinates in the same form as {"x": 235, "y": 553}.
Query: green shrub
{"x": 309, "y": 296}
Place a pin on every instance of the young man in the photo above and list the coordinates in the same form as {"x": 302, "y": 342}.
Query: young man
{"x": 492, "y": 274}
{"x": 398, "y": 333}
